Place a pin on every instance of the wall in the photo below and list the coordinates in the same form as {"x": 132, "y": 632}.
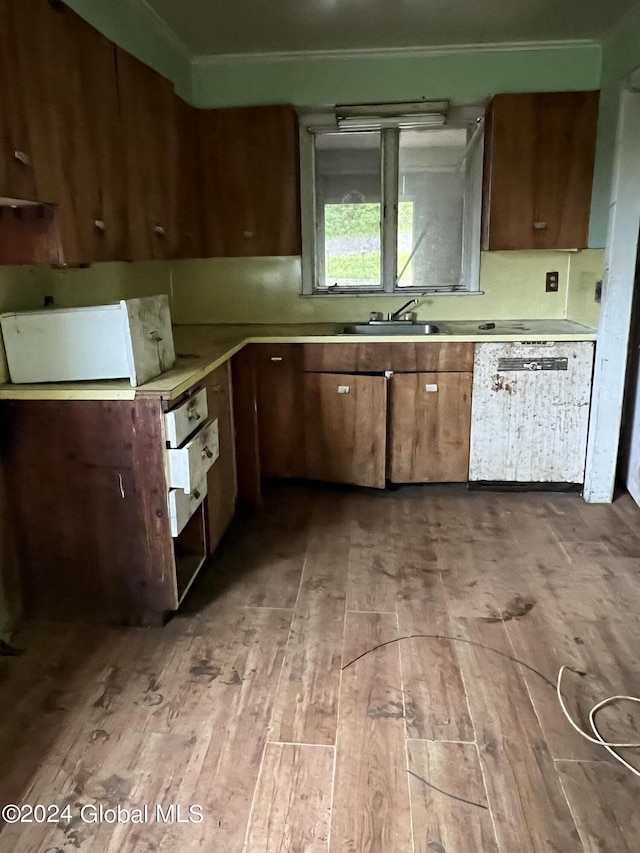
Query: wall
{"x": 267, "y": 290}
{"x": 25, "y": 287}
{"x": 467, "y": 73}
{"x": 620, "y": 56}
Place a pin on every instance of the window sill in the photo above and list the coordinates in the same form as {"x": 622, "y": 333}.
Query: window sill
{"x": 376, "y": 294}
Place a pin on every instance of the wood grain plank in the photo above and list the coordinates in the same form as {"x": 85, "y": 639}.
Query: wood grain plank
{"x": 528, "y": 805}
{"x": 306, "y": 707}
{"x": 604, "y": 801}
{"x": 603, "y": 651}
{"x": 371, "y": 799}
{"x": 372, "y": 581}
{"x": 292, "y": 806}
{"x": 439, "y": 822}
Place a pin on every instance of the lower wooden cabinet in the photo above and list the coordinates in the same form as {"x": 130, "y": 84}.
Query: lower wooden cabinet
{"x": 221, "y": 478}
{"x": 341, "y": 413}
{"x": 429, "y": 427}
{"x": 280, "y": 398}
{"x": 346, "y": 428}
{"x": 92, "y": 506}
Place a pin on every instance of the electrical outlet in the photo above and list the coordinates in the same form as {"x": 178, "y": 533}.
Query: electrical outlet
{"x": 552, "y": 282}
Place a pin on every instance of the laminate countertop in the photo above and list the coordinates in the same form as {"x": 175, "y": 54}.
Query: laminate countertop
{"x": 200, "y": 349}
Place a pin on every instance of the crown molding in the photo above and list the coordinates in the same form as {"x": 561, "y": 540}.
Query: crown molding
{"x": 161, "y": 28}
{"x": 205, "y": 60}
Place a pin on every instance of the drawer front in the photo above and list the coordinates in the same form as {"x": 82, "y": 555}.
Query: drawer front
{"x": 185, "y": 418}
{"x": 189, "y": 464}
{"x": 182, "y": 505}
{"x": 378, "y": 357}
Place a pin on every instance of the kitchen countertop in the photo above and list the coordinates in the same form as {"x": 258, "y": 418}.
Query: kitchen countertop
{"x": 200, "y": 349}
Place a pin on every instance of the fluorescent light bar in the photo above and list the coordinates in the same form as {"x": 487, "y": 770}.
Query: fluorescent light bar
{"x": 402, "y": 122}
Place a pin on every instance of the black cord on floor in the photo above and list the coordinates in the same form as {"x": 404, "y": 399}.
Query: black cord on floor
{"x": 455, "y": 640}
{"x": 446, "y": 793}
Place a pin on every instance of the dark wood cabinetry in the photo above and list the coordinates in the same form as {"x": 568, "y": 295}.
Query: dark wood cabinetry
{"x": 429, "y": 427}
{"x": 149, "y": 127}
{"x": 104, "y": 533}
{"x": 538, "y": 170}
{"x": 133, "y": 172}
{"x": 346, "y": 428}
{"x": 359, "y": 425}
{"x": 280, "y": 397}
{"x": 250, "y": 175}
{"x": 221, "y": 477}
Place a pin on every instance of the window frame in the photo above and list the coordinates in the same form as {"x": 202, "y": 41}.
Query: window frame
{"x": 312, "y": 124}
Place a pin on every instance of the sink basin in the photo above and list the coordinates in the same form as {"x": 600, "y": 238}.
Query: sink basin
{"x": 392, "y": 327}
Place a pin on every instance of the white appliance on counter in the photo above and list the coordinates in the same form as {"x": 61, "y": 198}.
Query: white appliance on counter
{"x": 131, "y": 339}
{"x": 530, "y": 412}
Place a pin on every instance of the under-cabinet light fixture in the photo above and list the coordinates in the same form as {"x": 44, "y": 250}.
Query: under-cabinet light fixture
{"x": 404, "y": 122}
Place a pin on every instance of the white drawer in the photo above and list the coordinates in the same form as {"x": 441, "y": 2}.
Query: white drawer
{"x": 189, "y": 464}
{"x": 185, "y": 418}
{"x": 183, "y": 505}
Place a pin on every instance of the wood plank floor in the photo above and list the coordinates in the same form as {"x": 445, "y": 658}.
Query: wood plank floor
{"x": 250, "y": 702}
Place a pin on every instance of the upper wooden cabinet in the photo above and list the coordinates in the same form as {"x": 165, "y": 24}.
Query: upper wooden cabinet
{"x": 148, "y": 116}
{"x": 250, "y": 180}
{"x": 17, "y": 179}
{"x": 538, "y": 170}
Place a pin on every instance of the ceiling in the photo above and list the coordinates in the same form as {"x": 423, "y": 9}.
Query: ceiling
{"x": 214, "y": 27}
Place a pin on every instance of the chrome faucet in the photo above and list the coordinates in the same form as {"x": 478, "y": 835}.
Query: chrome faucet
{"x": 396, "y": 314}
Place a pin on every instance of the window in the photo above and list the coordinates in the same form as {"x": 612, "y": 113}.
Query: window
{"x": 394, "y": 205}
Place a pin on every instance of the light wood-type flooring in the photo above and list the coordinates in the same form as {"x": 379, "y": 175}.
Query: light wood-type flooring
{"x": 242, "y": 703}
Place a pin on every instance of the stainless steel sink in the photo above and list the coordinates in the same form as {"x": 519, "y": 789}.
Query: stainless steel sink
{"x": 392, "y": 327}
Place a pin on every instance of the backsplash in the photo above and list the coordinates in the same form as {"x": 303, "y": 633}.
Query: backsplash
{"x": 267, "y": 290}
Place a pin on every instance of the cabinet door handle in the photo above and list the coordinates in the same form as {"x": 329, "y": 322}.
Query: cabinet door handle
{"x": 343, "y": 389}
{"x": 430, "y": 387}
{"x": 206, "y": 452}
{"x": 193, "y": 414}
{"x": 196, "y": 494}
{"x": 22, "y": 157}
{"x": 539, "y": 226}
{"x": 276, "y": 358}
{"x": 99, "y": 224}
{"x": 159, "y": 230}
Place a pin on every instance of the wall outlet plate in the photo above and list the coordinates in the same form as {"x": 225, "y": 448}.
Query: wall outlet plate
{"x": 552, "y": 282}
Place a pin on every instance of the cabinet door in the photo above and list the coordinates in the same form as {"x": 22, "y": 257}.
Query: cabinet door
{"x": 189, "y": 184}
{"x": 250, "y": 163}
{"x": 429, "y": 427}
{"x": 148, "y": 115}
{"x": 538, "y": 170}
{"x": 345, "y": 427}
{"x": 17, "y": 178}
{"x": 221, "y": 478}
{"x": 280, "y": 409}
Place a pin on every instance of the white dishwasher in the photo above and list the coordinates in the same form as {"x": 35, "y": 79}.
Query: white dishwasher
{"x": 530, "y": 412}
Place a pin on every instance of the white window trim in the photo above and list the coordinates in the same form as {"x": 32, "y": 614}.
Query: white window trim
{"x": 318, "y": 122}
